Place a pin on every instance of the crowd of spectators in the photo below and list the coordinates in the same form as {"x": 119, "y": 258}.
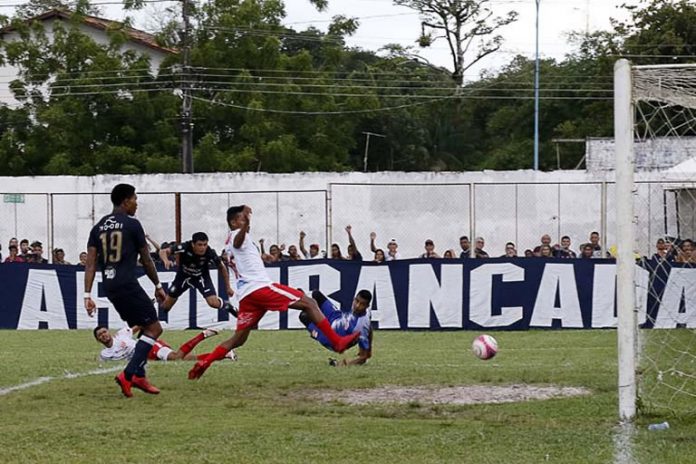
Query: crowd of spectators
{"x": 591, "y": 249}
{"x": 666, "y": 249}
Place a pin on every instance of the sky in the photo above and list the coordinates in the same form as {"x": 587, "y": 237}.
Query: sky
{"x": 382, "y": 22}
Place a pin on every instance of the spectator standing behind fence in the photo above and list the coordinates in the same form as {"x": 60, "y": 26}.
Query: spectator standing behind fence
{"x": 686, "y": 252}
{"x": 545, "y": 240}
{"x": 59, "y": 257}
{"x": 314, "y": 252}
{"x": 14, "y": 255}
{"x": 293, "y": 255}
{"x": 83, "y": 259}
{"x": 379, "y": 256}
{"x": 586, "y": 251}
{"x": 661, "y": 251}
{"x": 336, "y": 252}
{"x": 24, "y": 250}
{"x": 37, "y": 253}
{"x": 545, "y": 251}
{"x": 510, "y": 250}
{"x": 594, "y": 243}
{"x": 429, "y": 250}
{"x": 563, "y": 250}
{"x": 392, "y": 248}
{"x": 353, "y": 253}
{"x": 449, "y": 254}
{"x": 528, "y": 253}
{"x": 465, "y": 245}
{"x": 479, "y": 252}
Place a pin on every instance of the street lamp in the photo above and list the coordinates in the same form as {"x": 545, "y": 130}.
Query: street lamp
{"x": 367, "y": 147}
{"x": 536, "y": 92}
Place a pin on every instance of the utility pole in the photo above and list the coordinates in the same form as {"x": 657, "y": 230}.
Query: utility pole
{"x": 536, "y": 92}
{"x": 367, "y": 147}
{"x": 186, "y": 105}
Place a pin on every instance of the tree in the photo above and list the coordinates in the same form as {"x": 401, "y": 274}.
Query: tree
{"x": 466, "y": 25}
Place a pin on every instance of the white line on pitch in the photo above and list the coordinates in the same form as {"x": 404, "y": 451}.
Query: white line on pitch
{"x": 67, "y": 375}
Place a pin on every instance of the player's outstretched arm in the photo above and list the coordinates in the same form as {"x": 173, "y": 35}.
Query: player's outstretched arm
{"x": 90, "y": 271}
{"x": 164, "y": 256}
{"x": 244, "y": 229}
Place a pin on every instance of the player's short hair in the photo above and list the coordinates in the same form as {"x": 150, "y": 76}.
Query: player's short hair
{"x": 121, "y": 193}
{"x": 233, "y": 211}
{"x": 199, "y": 237}
{"x": 365, "y": 295}
{"x": 97, "y": 329}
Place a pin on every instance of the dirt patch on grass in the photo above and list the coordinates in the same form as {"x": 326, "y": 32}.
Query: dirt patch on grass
{"x": 464, "y": 394}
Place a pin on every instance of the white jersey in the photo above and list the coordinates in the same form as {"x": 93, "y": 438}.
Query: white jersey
{"x": 251, "y": 273}
{"x": 122, "y": 347}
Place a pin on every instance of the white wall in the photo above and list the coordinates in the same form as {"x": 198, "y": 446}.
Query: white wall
{"x": 516, "y": 206}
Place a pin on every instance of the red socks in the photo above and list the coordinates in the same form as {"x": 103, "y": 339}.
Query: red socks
{"x": 328, "y": 332}
{"x": 187, "y": 347}
{"x": 218, "y": 353}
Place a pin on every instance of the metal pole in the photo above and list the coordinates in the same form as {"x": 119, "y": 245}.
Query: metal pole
{"x": 187, "y": 102}
{"x": 536, "y": 92}
{"x": 177, "y": 217}
{"x": 367, "y": 147}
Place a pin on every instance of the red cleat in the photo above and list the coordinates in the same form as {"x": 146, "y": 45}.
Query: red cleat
{"x": 143, "y": 384}
{"x": 198, "y": 369}
{"x": 124, "y": 384}
{"x": 346, "y": 342}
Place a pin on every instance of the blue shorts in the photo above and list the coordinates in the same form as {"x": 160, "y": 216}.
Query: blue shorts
{"x": 332, "y": 314}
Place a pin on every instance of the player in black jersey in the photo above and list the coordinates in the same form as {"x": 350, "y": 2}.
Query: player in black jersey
{"x": 195, "y": 259}
{"x": 114, "y": 245}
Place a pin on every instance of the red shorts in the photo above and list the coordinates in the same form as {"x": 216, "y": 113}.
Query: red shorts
{"x": 152, "y": 355}
{"x": 275, "y": 297}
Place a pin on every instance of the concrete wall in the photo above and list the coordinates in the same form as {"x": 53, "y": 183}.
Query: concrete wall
{"x": 516, "y": 206}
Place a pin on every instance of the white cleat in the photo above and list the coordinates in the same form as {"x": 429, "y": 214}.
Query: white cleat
{"x": 231, "y": 355}
{"x": 207, "y": 333}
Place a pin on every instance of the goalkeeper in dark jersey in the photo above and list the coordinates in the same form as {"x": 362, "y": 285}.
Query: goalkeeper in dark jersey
{"x": 195, "y": 259}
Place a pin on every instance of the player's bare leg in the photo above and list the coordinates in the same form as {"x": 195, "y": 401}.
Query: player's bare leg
{"x": 216, "y": 302}
{"x": 236, "y": 340}
{"x": 184, "y": 351}
{"x": 309, "y": 307}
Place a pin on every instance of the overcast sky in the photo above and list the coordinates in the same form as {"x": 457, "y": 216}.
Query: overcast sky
{"x": 381, "y": 23}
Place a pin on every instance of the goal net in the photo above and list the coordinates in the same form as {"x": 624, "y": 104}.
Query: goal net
{"x": 655, "y": 135}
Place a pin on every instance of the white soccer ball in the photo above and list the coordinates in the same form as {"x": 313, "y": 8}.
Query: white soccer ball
{"x": 484, "y": 347}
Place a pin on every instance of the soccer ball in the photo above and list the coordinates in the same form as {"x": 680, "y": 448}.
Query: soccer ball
{"x": 484, "y": 347}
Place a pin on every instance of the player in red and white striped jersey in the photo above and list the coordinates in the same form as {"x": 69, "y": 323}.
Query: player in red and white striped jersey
{"x": 258, "y": 294}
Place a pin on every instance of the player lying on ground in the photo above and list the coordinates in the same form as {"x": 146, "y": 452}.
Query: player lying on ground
{"x": 114, "y": 245}
{"x": 121, "y": 345}
{"x": 195, "y": 258}
{"x": 357, "y": 321}
{"x": 257, "y": 294}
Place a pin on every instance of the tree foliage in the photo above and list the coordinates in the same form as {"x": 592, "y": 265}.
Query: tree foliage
{"x": 268, "y": 97}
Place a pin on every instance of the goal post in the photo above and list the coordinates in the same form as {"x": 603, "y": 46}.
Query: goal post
{"x": 625, "y": 268}
{"x": 655, "y": 228}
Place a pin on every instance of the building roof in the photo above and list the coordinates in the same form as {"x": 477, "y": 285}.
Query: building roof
{"x": 134, "y": 35}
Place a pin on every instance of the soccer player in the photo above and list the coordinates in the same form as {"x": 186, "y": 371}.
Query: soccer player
{"x": 121, "y": 345}
{"x": 257, "y": 294}
{"x": 357, "y": 321}
{"x": 115, "y": 243}
{"x": 195, "y": 258}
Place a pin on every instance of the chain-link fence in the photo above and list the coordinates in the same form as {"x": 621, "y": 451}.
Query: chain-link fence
{"x": 410, "y": 213}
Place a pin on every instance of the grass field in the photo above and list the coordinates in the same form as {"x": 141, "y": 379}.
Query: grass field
{"x": 258, "y": 409}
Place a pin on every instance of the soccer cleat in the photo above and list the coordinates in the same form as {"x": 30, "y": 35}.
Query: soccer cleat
{"x": 198, "y": 369}
{"x": 124, "y": 384}
{"x": 207, "y": 333}
{"x": 143, "y": 384}
{"x": 231, "y": 355}
{"x": 346, "y": 342}
{"x": 230, "y": 309}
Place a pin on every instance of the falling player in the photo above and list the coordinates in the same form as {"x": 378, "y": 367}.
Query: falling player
{"x": 257, "y": 294}
{"x": 115, "y": 243}
{"x": 121, "y": 345}
{"x": 357, "y": 321}
{"x": 195, "y": 258}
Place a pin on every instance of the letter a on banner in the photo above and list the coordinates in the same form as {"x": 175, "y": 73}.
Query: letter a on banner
{"x": 445, "y": 297}
{"x": 559, "y": 277}
{"x": 42, "y": 285}
{"x": 681, "y": 286}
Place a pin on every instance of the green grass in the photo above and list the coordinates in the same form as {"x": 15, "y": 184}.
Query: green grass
{"x": 257, "y": 410}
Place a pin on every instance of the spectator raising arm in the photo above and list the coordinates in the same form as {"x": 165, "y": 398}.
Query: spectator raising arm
{"x": 303, "y": 250}
{"x": 373, "y": 237}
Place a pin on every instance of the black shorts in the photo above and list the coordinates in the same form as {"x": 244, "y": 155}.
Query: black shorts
{"x": 133, "y": 304}
{"x": 183, "y": 282}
